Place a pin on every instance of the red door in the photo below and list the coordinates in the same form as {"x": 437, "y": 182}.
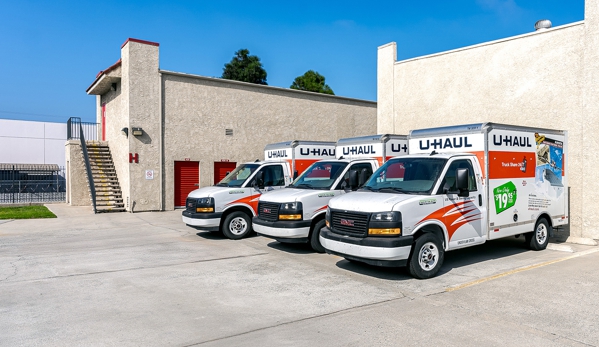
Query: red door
{"x": 187, "y": 178}
{"x": 221, "y": 168}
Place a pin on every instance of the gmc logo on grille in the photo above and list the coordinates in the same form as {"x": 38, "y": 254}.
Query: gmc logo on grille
{"x": 266, "y": 210}
{"x": 349, "y": 223}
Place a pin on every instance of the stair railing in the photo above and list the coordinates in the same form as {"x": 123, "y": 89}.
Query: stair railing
{"x": 90, "y": 179}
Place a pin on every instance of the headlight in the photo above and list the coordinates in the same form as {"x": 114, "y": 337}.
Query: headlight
{"x": 385, "y": 224}
{"x": 291, "y": 211}
{"x": 205, "y": 205}
{"x": 386, "y": 217}
{"x": 327, "y": 218}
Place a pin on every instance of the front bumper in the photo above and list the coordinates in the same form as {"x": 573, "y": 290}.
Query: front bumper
{"x": 283, "y": 231}
{"x": 202, "y": 221}
{"x": 380, "y": 251}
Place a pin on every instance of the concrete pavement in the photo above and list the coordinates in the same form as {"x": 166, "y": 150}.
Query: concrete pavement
{"x": 147, "y": 279}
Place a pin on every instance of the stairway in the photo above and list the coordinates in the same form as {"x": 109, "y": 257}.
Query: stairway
{"x": 108, "y": 191}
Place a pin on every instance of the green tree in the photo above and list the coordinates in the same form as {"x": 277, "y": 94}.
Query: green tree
{"x": 312, "y": 81}
{"x": 245, "y": 67}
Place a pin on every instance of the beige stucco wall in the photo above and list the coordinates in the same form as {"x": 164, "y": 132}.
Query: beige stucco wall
{"x": 77, "y": 190}
{"x": 185, "y": 116}
{"x": 542, "y": 79}
{"x": 197, "y": 110}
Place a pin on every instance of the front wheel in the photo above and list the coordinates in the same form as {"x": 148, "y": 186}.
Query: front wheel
{"x": 539, "y": 238}
{"x": 237, "y": 225}
{"x": 427, "y": 257}
{"x": 315, "y": 237}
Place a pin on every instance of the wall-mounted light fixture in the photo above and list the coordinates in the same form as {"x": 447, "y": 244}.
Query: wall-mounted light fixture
{"x": 125, "y": 132}
{"x": 137, "y": 131}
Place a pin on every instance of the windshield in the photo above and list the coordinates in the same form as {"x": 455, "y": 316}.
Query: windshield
{"x": 238, "y": 176}
{"x": 406, "y": 176}
{"x": 320, "y": 175}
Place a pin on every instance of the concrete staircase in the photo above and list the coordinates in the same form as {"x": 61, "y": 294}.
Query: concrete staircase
{"x": 109, "y": 197}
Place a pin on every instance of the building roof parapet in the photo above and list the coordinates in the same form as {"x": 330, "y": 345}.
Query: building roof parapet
{"x": 260, "y": 86}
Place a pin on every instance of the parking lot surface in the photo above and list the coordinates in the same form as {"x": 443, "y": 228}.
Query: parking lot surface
{"x": 147, "y": 279}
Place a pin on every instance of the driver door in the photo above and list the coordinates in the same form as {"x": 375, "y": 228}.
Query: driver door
{"x": 464, "y": 217}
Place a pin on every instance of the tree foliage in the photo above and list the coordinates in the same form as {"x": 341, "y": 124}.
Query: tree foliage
{"x": 312, "y": 81}
{"x": 245, "y": 67}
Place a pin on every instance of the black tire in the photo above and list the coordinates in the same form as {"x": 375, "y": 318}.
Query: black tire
{"x": 427, "y": 257}
{"x": 237, "y": 225}
{"x": 315, "y": 237}
{"x": 539, "y": 238}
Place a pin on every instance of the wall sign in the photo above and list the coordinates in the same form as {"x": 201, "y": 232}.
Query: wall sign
{"x": 149, "y": 174}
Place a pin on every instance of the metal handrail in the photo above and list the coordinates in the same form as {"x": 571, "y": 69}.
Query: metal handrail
{"x": 76, "y": 128}
{"x": 90, "y": 179}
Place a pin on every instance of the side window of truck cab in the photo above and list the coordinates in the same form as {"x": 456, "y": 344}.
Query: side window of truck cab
{"x": 273, "y": 175}
{"x": 359, "y": 167}
{"x": 448, "y": 181}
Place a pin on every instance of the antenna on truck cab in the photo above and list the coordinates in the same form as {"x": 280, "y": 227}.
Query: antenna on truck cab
{"x": 434, "y": 152}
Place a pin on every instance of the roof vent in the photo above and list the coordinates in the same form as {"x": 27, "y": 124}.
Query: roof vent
{"x": 542, "y": 24}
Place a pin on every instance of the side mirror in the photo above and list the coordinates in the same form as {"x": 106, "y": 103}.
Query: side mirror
{"x": 353, "y": 180}
{"x": 461, "y": 179}
{"x": 363, "y": 177}
{"x": 294, "y": 175}
{"x": 259, "y": 180}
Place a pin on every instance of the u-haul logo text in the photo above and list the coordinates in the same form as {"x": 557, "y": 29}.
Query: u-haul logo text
{"x": 455, "y": 142}
{"x": 398, "y": 147}
{"x": 512, "y": 141}
{"x": 277, "y": 154}
{"x": 318, "y": 151}
{"x": 368, "y": 149}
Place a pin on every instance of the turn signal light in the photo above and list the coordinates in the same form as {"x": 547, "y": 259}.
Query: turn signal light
{"x": 205, "y": 209}
{"x": 290, "y": 216}
{"x": 327, "y": 223}
{"x": 386, "y": 231}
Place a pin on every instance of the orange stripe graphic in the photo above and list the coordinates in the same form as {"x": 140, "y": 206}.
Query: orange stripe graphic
{"x": 455, "y": 215}
{"x": 251, "y": 200}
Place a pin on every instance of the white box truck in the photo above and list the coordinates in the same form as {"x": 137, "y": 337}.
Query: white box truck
{"x": 230, "y": 205}
{"x": 459, "y": 187}
{"x": 296, "y": 214}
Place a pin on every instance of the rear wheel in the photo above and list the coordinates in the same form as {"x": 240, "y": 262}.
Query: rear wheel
{"x": 539, "y": 238}
{"x": 315, "y": 237}
{"x": 427, "y": 257}
{"x": 237, "y": 225}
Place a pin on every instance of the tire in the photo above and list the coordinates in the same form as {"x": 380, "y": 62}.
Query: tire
{"x": 237, "y": 225}
{"x": 427, "y": 257}
{"x": 539, "y": 238}
{"x": 315, "y": 237}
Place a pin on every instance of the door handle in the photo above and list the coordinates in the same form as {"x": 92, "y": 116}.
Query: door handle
{"x": 196, "y": 185}
{"x": 480, "y": 200}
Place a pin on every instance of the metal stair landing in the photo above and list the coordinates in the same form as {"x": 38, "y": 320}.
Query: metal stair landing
{"x": 109, "y": 197}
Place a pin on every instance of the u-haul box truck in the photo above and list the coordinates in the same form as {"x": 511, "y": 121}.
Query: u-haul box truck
{"x": 230, "y": 205}
{"x": 296, "y": 214}
{"x": 460, "y": 186}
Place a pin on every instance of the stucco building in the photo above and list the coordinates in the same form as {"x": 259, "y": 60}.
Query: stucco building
{"x": 547, "y": 78}
{"x": 177, "y": 124}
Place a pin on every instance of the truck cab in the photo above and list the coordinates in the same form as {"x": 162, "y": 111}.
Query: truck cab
{"x": 297, "y": 213}
{"x": 230, "y": 205}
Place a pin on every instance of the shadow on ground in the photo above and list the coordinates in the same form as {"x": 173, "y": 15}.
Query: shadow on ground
{"x": 490, "y": 250}
{"x": 295, "y": 248}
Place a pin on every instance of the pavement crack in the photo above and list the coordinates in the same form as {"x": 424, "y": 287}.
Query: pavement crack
{"x": 14, "y": 266}
{"x": 139, "y": 268}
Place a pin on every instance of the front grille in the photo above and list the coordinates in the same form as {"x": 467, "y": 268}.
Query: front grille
{"x": 190, "y": 205}
{"x": 350, "y": 223}
{"x": 268, "y": 211}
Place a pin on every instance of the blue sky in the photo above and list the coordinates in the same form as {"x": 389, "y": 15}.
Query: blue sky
{"x": 51, "y": 51}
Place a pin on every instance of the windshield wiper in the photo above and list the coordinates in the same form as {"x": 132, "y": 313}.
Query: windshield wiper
{"x": 368, "y": 188}
{"x": 304, "y": 185}
{"x": 392, "y": 189}
{"x": 222, "y": 185}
